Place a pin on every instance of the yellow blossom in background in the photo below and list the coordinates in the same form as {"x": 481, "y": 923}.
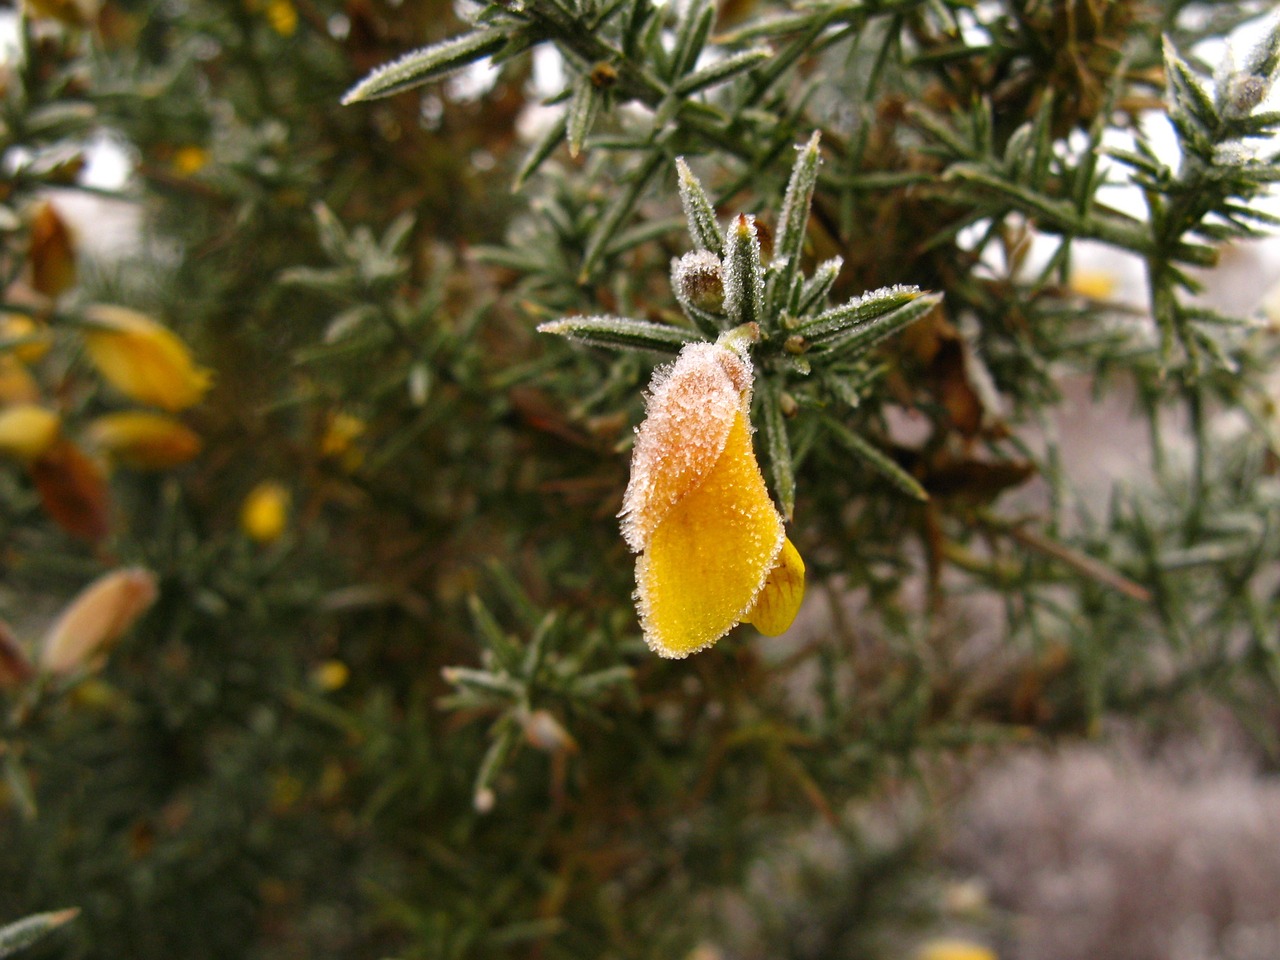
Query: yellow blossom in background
{"x": 23, "y": 337}
{"x": 948, "y": 949}
{"x": 697, "y": 510}
{"x": 339, "y": 440}
{"x": 17, "y": 385}
{"x": 190, "y": 159}
{"x": 281, "y": 14}
{"x": 144, "y": 441}
{"x": 27, "y": 430}
{"x": 98, "y": 617}
{"x": 1094, "y": 284}
{"x": 142, "y": 359}
{"x": 283, "y": 17}
{"x": 331, "y": 675}
{"x": 265, "y": 512}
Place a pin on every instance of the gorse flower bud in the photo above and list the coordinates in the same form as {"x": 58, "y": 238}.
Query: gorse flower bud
{"x": 697, "y": 281}
{"x": 97, "y": 618}
{"x": 698, "y": 512}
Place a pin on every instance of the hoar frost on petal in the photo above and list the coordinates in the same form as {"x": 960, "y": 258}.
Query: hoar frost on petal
{"x": 690, "y": 409}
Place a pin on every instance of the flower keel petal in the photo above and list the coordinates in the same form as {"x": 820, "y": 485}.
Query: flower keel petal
{"x": 779, "y": 601}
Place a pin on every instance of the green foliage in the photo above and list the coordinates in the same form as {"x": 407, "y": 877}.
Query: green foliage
{"x": 421, "y": 721}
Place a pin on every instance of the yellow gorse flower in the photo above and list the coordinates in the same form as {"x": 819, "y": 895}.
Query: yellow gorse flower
{"x": 190, "y": 159}
{"x": 23, "y": 337}
{"x": 144, "y": 441}
{"x": 142, "y": 359}
{"x": 27, "y": 430}
{"x": 713, "y": 550}
{"x": 954, "y": 950}
{"x": 265, "y": 512}
{"x": 17, "y": 385}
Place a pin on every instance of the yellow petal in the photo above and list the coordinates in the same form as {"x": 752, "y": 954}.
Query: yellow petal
{"x": 27, "y": 430}
{"x": 331, "y": 675}
{"x": 265, "y": 513}
{"x": 692, "y": 405}
{"x": 23, "y": 337}
{"x": 1094, "y": 284}
{"x": 97, "y": 618}
{"x": 190, "y": 159}
{"x": 710, "y": 555}
{"x": 340, "y": 441}
{"x": 142, "y": 359}
{"x": 144, "y": 441}
{"x": 954, "y": 950}
{"x": 17, "y": 385}
{"x": 283, "y": 17}
{"x": 779, "y": 601}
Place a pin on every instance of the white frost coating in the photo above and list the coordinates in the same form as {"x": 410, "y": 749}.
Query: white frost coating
{"x": 897, "y": 290}
{"x": 697, "y": 210}
{"x": 697, "y": 281}
{"x": 743, "y": 277}
{"x": 688, "y": 414}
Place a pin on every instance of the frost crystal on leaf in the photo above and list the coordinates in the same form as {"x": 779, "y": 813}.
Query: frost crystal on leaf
{"x": 743, "y": 276}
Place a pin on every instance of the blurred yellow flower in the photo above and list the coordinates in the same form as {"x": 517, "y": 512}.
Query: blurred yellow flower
{"x": 98, "y": 617}
{"x": 144, "y": 441}
{"x": 28, "y": 340}
{"x": 331, "y": 675}
{"x": 265, "y": 512}
{"x": 142, "y": 359}
{"x": 53, "y": 252}
{"x": 190, "y": 159}
{"x": 339, "y": 440}
{"x": 283, "y": 17}
{"x": 281, "y": 14}
{"x": 17, "y": 385}
{"x": 27, "y": 430}
{"x": 712, "y": 547}
{"x": 954, "y": 950}
{"x": 1094, "y": 284}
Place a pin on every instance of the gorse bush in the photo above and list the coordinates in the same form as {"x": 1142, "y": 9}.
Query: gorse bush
{"x": 321, "y": 638}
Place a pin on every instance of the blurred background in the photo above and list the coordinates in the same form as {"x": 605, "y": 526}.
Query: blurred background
{"x": 316, "y": 626}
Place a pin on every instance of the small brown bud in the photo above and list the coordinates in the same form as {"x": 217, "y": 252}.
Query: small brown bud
{"x": 603, "y": 75}
{"x": 698, "y": 281}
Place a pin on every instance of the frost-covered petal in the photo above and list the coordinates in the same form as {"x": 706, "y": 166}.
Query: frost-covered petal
{"x": 708, "y": 559}
{"x": 692, "y": 406}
